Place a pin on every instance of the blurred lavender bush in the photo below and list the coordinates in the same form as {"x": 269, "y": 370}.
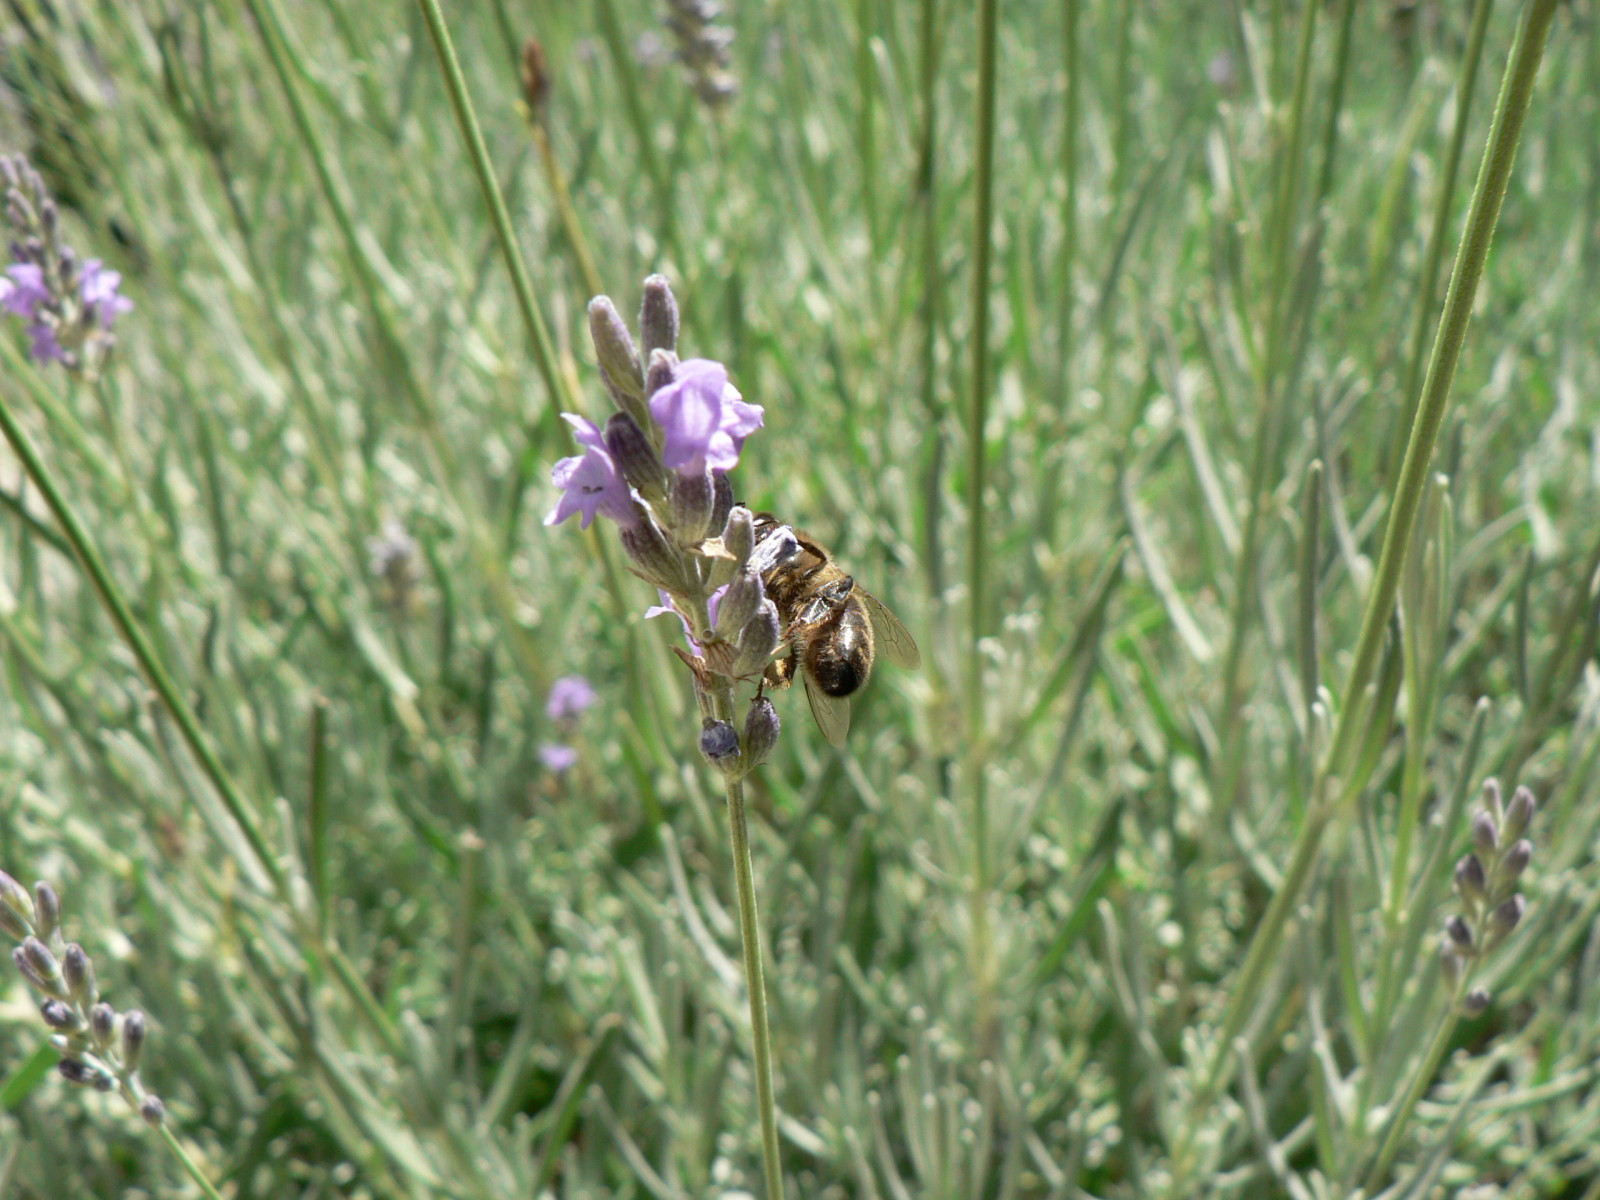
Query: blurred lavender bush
{"x": 400, "y": 945}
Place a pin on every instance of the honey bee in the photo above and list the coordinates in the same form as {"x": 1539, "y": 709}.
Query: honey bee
{"x": 833, "y": 628}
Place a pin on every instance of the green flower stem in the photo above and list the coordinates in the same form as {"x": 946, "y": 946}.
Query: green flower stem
{"x": 1420, "y": 1079}
{"x": 1510, "y": 111}
{"x": 84, "y": 549}
{"x": 978, "y": 532}
{"x": 1411, "y": 792}
{"x": 544, "y": 355}
{"x": 191, "y": 1168}
{"x": 721, "y": 700}
{"x": 1333, "y": 791}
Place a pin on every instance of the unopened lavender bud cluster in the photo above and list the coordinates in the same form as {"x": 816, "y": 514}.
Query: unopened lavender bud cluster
{"x": 659, "y": 471}
{"x": 1486, "y": 883}
{"x": 100, "y": 1048}
{"x": 703, "y": 49}
{"x": 67, "y": 304}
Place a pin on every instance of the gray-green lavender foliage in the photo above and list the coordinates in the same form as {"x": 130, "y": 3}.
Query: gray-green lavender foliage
{"x": 487, "y": 972}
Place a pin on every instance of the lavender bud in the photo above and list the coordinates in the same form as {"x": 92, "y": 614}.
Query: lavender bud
{"x": 14, "y": 926}
{"x": 1475, "y": 1002}
{"x": 721, "y": 500}
{"x": 655, "y": 558}
{"x": 78, "y": 971}
{"x": 1519, "y": 813}
{"x": 153, "y": 1111}
{"x": 613, "y": 347}
{"x": 663, "y": 366}
{"x": 48, "y": 907}
{"x": 761, "y": 726}
{"x": 60, "y": 1016}
{"x": 1516, "y": 859}
{"x": 1459, "y": 931}
{"x": 739, "y": 604}
{"x": 693, "y": 497}
{"x": 719, "y": 742}
{"x": 1505, "y": 917}
{"x": 103, "y": 1024}
{"x": 1491, "y": 796}
{"x": 757, "y": 641}
{"x": 1470, "y": 881}
{"x": 658, "y": 316}
{"x": 81, "y": 1073}
{"x": 1485, "y": 832}
{"x": 641, "y": 465}
{"x": 134, "y": 1030}
{"x": 39, "y": 967}
{"x": 739, "y": 535}
{"x": 16, "y": 899}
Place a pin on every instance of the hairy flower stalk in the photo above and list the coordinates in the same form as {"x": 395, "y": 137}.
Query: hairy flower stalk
{"x": 67, "y": 304}
{"x": 658, "y": 470}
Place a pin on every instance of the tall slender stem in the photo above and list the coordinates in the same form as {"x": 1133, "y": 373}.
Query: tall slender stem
{"x": 755, "y": 983}
{"x": 88, "y": 555}
{"x": 191, "y": 1168}
{"x": 978, "y": 533}
{"x": 1333, "y": 789}
{"x": 455, "y": 84}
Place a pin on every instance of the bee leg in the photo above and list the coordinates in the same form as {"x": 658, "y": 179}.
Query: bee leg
{"x": 779, "y": 673}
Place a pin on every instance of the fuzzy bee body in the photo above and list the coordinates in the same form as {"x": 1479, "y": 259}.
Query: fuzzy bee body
{"x": 833, "y": 629}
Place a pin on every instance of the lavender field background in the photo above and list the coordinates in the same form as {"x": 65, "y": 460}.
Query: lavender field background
{"x": 1146, "y": 884}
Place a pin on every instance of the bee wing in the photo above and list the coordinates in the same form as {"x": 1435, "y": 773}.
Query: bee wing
{"x": 894, "y": 639}
{"x": 832, "y": 713}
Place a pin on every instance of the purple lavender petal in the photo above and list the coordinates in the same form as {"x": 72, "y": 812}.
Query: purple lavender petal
{"x": 27, "y": 291}
{"x": 558, "y": 758}
{"x": 569, "y": 696}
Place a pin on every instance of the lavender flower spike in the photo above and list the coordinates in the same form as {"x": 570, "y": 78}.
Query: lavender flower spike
{"x": 705, "y": 419}
{"x": 591, "y": 482}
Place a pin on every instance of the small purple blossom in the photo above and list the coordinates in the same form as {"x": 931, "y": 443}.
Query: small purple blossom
{"x": 591, "y": 482}
{"x": 667, "y": 607}
{"x": 44, "y": 345}
{"x": 558, "y": 758}
{"x": 569, "y": 696}
{"x": 99, "y": 292}
{"x": 704, "y": 417}
{"x": 25, "y": 291}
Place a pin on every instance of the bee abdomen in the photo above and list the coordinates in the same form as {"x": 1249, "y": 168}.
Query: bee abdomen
{"x": 841, "y": 659}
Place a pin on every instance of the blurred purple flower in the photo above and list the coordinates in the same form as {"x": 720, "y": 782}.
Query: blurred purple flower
{"x": 45, "y": 345}
{"x": 99, "y": 292}
{"x": 705, "y": 419}
{"x": 25, "y": 290}
{"x": 558, "y": 758}
{"x": 569, "y": 696}
{"x": 591, "y": 482}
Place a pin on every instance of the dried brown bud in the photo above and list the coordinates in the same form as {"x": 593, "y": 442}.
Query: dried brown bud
{"x": 535, "y": 78}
